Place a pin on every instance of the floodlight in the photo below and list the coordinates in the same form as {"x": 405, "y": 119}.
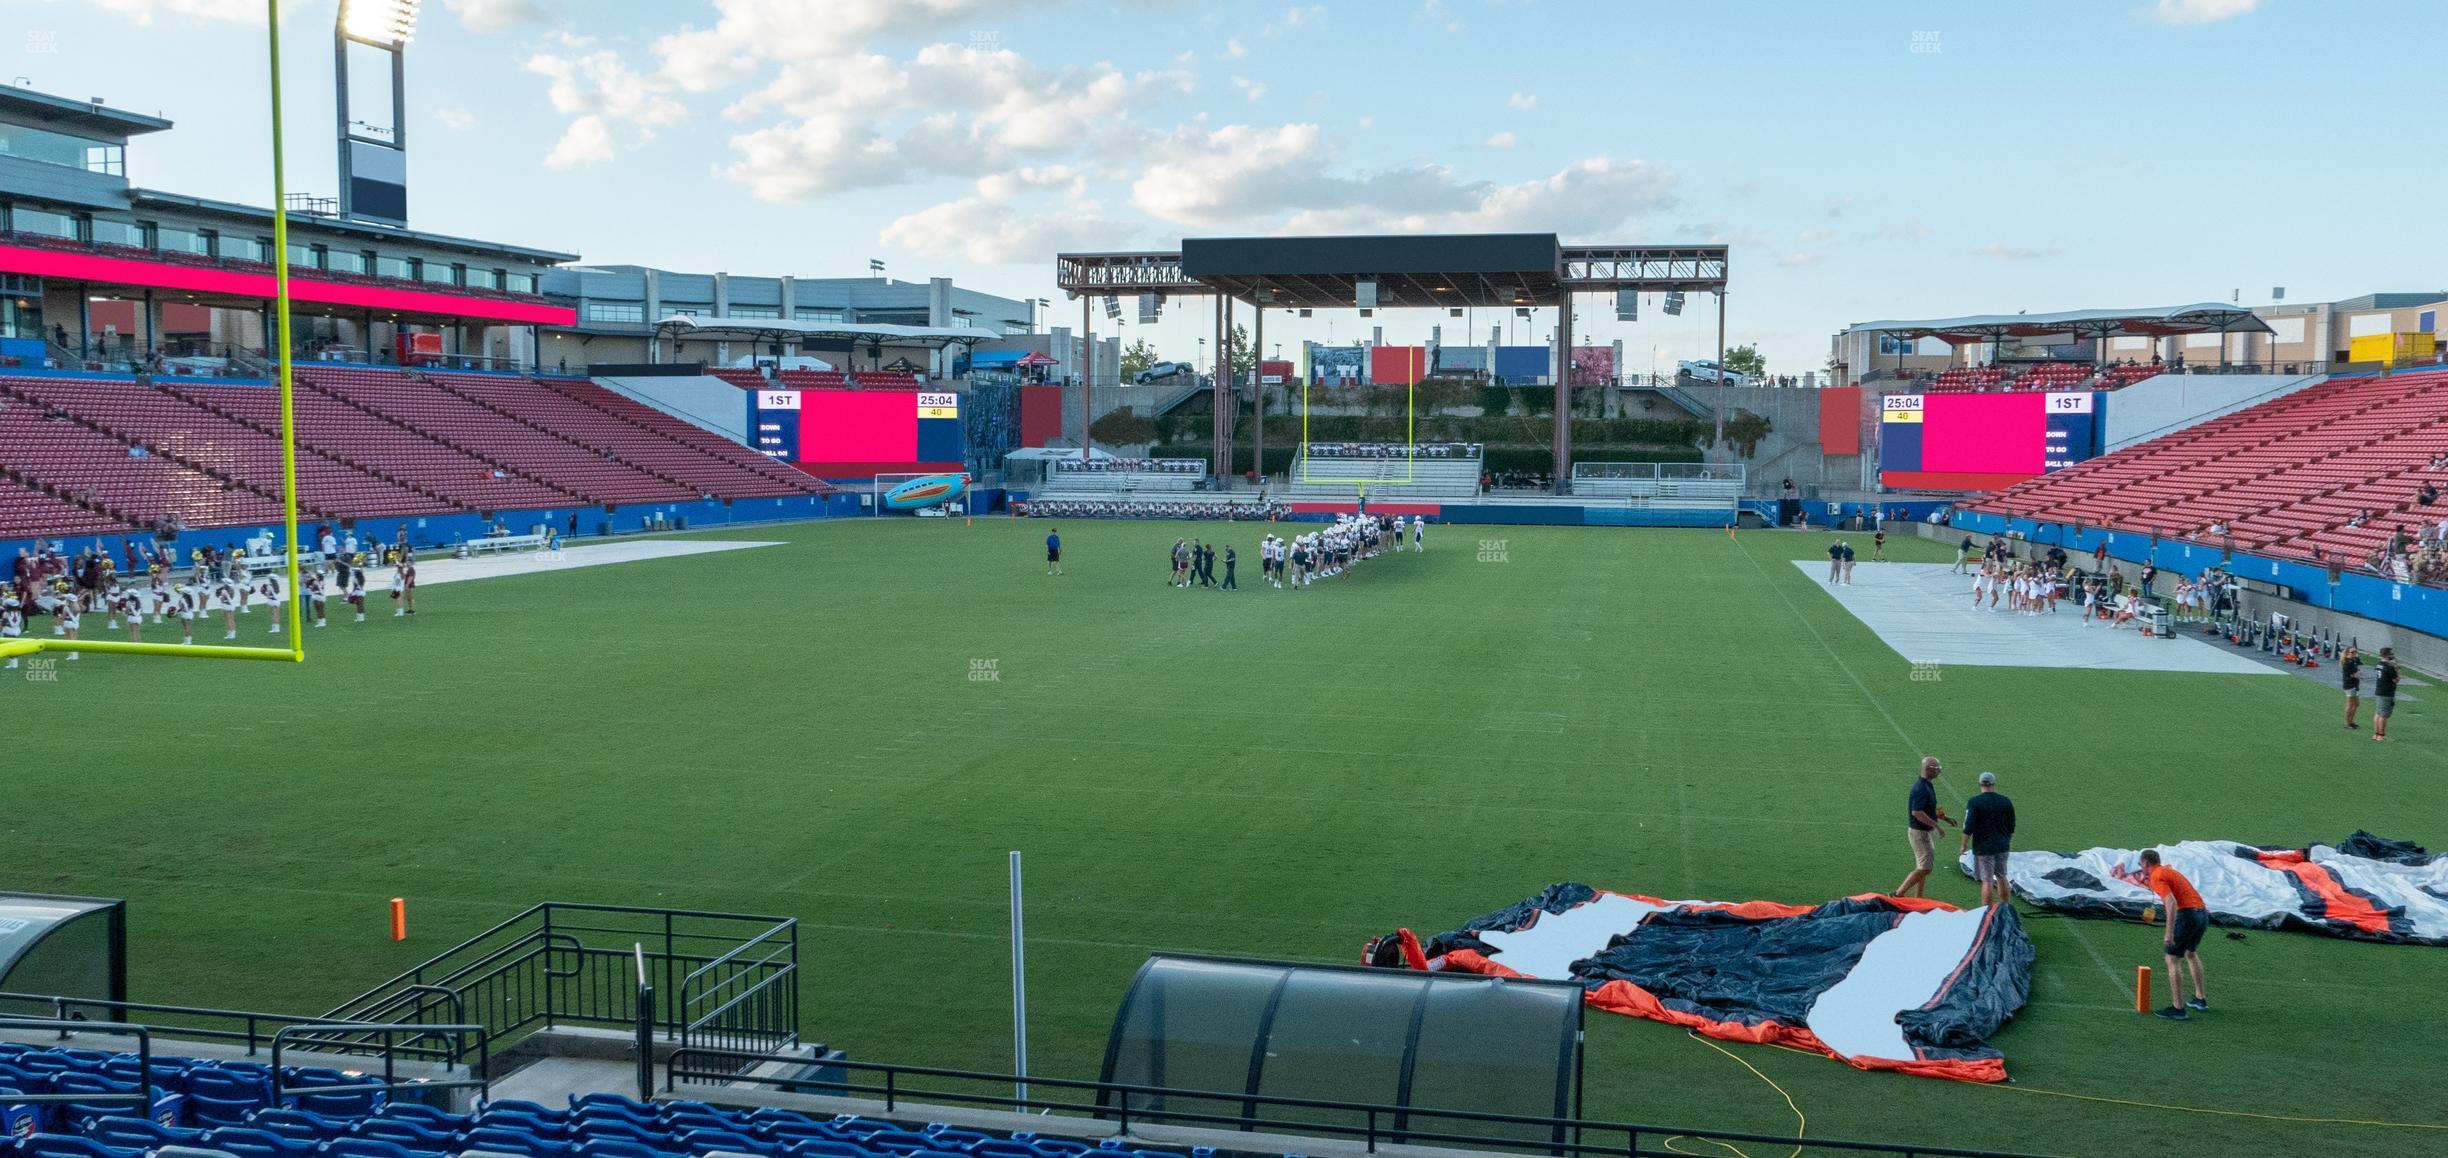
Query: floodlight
{"x": 387, "y": 23}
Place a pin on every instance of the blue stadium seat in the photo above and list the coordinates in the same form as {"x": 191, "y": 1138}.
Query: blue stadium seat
{"x": 372, "y": 1148}
{"x": 951, "y": 1138}
{"x": 512, "y": 1142}
{"x": 301, "y": 1083}
{"x": 707, "y": 1141}
{"x": 247, "y": 1142}
{"x": 413, "y": 1135}
{"x": 223, "y": 1095}
{"x": 618, "y": 1148}
{"x": 141, "y": 1133}
{"x": 302, "y": 1125}
{"x": 523, "y": 1122}
{"x": 71, "y": 1146}
{"x": 428, "y": 1116}
{"x": 533, "y": 1109}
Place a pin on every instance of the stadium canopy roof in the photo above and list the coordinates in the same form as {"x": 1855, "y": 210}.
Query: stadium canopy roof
{"x": 794, "y": 330}
{"x": 1416, "y": 270}
{"x": 2200, "y": 318}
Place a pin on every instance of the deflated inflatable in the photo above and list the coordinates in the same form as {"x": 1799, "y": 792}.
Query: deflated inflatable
{"x": 2365, "y": 887}
{"x": 1883, "y": 983}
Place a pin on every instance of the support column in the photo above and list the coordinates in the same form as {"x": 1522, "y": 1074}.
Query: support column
{"x": 1258, "y": 393}
{"x": 152, "y": 340}
{"x": 1563, "y": 397}
{"x": 1721, "y": 369}
{"x": 1223, "y": 387}
{"x": 1087, "y": 373}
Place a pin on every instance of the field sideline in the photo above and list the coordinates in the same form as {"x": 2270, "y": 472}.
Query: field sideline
{"x": 797, "y": 729}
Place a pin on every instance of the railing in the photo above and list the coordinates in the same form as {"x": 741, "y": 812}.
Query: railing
{"x": 350, "y": 1034}
{"x": 1125, "y": 1105}
{"x": 559, "y": 963}
{"x": 141, "y": 1097}
{"x": 746, "y": 1000}
{"x": 1661, "y": 471}
{"x": 250, "y": 1030}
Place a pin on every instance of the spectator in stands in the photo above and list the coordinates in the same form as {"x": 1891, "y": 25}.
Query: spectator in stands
{"x": 1988, "y": 834}
{"x": 2428, "y": 495}
{"x": 1922, "y": 816}
{"x": 2187, "y": 919}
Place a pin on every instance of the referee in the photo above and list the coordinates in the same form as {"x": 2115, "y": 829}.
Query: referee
{"x": 1053, "y": 552}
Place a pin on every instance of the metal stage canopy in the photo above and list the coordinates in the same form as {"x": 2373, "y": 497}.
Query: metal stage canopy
{"x": 2069, "y": 325}
{"x": 1481, "y": 270}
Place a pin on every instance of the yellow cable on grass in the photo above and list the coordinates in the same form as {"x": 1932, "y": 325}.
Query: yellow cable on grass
{"x": 1801, "y": 1122}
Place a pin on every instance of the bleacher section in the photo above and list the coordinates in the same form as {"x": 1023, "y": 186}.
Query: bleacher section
{"x": 1116, "y": 479}
{"x": 2040, "y": 376}
{"x": 1393, "y": 479}
{"x": 2286, "y": 478}
{"x": 230, "y": 1107}
{"x": 93, "y": 454}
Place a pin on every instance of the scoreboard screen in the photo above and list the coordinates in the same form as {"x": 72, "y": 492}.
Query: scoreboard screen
{"x": 858, "y": 433}
{"x": 1983, "y": 441}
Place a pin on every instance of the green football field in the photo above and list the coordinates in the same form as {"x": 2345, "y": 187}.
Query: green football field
{"x": 796, "y": 729}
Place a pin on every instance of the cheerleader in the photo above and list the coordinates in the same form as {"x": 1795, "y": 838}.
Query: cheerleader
{"x": 1980, "y": 583}
{"x": 67, "y": 615}
{"x": 130, "y": 602}
{"x": 356, "y": 592}
{"x": 12, "y": 619}
{"x": 185, "y": 602}
{"x": 268, "y": 589}
{"x": 224, "y": 597}
{"x": 403, "y": 588}
{"x": 312, "y": 581}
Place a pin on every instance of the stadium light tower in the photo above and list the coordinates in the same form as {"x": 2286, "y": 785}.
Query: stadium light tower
{"x": 374, "y": 153}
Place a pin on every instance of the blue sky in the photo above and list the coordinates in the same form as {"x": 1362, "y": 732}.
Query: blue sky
{"x": 1864, "y": 160}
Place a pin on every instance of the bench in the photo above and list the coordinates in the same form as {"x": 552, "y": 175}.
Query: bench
{"x": 485, "y": 543}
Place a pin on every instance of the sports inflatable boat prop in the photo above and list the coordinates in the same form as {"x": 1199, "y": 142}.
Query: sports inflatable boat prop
{"x": 2365, "y": 887}
{"x": 1882, "y": 983}
{"x": 932, "y": 491}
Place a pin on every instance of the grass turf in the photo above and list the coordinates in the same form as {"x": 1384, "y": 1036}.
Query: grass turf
{"x": 795, "y": 729}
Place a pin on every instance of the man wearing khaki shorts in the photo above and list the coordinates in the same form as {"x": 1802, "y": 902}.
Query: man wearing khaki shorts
{"x": 1922, "y": 816}
{"x": 1988, "y": 834}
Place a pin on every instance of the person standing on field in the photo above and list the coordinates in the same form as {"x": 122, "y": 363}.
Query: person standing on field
{"x": 2186, "y": 920}
{"x": 2350, "y": 674}
{"x": 2384, "y": 693}
{"x": 1988, "y": 832}
{"x": 1922, "y": 816}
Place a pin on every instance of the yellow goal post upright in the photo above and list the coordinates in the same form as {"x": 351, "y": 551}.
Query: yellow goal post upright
{"x": 1410, "y": 433}
{"x": 296, "y": 651}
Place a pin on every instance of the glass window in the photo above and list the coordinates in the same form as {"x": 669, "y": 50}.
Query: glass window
{"x": 438, "y": 272}
{"x": 56, "y": 148}
{"x": 398, "y": 267}
{"x": 683, "y": 312}
{"x": 171, "y": 240}
{"x": 126, "y": 233}
{"x": 482, "y": 278}
{"x": 821, "y": 316}
{"x": 754, "y": 312}
{"x": 303, "y": 257}
{"x": 42, "y": 221}
{"x": 615, "y": 312}
{"x": 243, "y": 249}
{"x": 519, "y": 283}
{"x": 344, "y": 261}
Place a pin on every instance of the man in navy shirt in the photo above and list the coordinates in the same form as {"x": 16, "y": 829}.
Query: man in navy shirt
{"x": 1988, "y": 831}
{"x": 1922, "y": 816}
{"x": 1053, "y": 552}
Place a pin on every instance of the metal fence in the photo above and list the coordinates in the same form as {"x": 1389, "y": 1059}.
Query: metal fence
{"x": 1125, "y": 1106}
{"x": 575, "y": 964}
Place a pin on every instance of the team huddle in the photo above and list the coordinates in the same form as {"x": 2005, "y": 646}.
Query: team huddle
{"x": 1304, "y": 559}
{"x": 224, "y": 585}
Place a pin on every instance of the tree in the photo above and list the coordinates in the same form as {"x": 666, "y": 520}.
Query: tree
{"x": 1136, "y": 358}
{"x": 1244, "y": 358}
{"x": 1746, "y": 361}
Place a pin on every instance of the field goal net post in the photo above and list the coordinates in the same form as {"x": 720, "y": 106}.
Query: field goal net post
{"x": 1350, "y": 473}
{"x": 885, "y": 484}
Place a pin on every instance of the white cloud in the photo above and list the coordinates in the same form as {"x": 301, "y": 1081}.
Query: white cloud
{"x": 143, "y": 11}
{"x": 1249, "y": 88}
{"x": 2200, "y": 11}
{"x": 1522, "y": 101}
{"x": 749, "y": 33}
{"x": 1502, "y": 140}
{"x": 600, "y": 90}
{"x": 988, "y": 232}
{"x": 1366, "y": 122}
{"x": 1798, "y": 260}
{"x": 1813, "y": 236}
{"x": 495, "y": 15}
{"x": 587, "y": 141}
{"x": 2003, "y": 252}
{"x": 1295, "y": 17}
{"x": 1588, "y": 198}
{"x": 455, "y": 119}
{"x": 1234, "y": 50}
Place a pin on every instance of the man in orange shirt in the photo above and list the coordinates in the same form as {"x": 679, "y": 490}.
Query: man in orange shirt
{"x": 2187, "y": 920}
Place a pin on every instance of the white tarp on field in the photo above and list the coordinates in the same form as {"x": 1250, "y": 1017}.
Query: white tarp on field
{"x": 2318, "y": 889}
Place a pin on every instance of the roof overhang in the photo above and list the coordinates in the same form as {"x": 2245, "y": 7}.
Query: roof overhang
{"x": 215, "y": 286}
{"x": 1410, "y": 271}
{"x": 256, "y": 213}
{"x": 88, "y": 116}
{"x": 2072, "y": 325}
{"x": 796, "y": 330}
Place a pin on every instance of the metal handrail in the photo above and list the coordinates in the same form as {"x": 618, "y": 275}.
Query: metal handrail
{"x": 1371, "y": 1132}
{"x": 142, "y": 1096}
{"x": 253, "y": 1034}
{"x": 482, "y": 1074}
